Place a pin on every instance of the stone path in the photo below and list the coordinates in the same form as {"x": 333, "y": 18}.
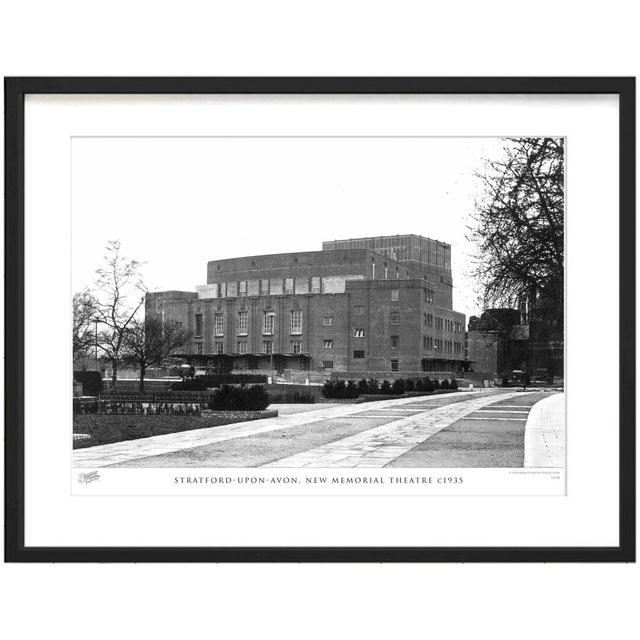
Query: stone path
{"x": 544, "y": 436}
{"x": 378, "y": 446}
{"x": 130, "y": 450}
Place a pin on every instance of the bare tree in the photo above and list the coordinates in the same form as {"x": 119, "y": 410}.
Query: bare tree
{"x": 518, "y": 227}
{"x": 119, "y": 294}
{"x": 84, "y": 337}
{"x": 152, "y": 343}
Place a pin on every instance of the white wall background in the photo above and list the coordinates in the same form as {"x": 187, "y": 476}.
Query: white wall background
{"x": 328, "y": 38}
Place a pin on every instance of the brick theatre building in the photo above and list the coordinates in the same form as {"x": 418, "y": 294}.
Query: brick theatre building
{"x": 361, "y": 307}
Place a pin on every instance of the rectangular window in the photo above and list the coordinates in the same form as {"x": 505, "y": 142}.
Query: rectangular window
{"x": 358, "y": 311}
{"x": 199, "y": 348}
{"x": 395, "y": 295}
{"x": 394, "y": 317}
{"x": 264, "y": 287}
{"x": 242, "y": 288}
{"x": 198, "y": 324}
{"x": 243, "y": 324}
{"x": 327, "y": 344}
{"x": 395, "y": 342}
{"x": 219, "y": 346}
{"x": 358, "y": 355}
{"x": 358, "y": 333}
{"x": 242, "y": 346}
{"x": 394, "y": 365}
{"x": 288, "y": 286}
{"x": 223, "y": 289}
{"x": 327, "y": 364}
{"x": 327, "y": 321}
{"x": 428, "y": 295}
{"x": 267, "y": 347}
{"x": 268, "y": 323}
{"x": 296, "y": 322}
{"x": 219, "y": 324}
{"x": 296, "y": 346}
{"x": 315, "y": 285}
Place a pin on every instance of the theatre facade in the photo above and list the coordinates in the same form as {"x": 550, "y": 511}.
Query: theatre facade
{"x": 368, "y": 307}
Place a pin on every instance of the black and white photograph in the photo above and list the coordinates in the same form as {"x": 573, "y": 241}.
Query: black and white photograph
{"x": 350, "y": 310}
{"x": 318, "y": 302}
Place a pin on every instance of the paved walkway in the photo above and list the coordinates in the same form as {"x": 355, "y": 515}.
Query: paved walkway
{"x": 130, "y": 451}
{"x": 544, "y": 437}
{"x": 491, "y": 437}
{"x": 379, "y": 446}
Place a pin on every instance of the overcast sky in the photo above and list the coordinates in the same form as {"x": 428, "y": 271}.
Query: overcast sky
{"x": 176, "y": 203}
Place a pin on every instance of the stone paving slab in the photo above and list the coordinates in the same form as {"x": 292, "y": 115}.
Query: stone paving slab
{"x": 378, "y": 446}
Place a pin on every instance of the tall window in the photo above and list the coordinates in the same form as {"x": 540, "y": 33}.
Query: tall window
{"x": 242, "y": 288}
{"x": 315, "y": 285}
{"x": 267, "y": 347}
{"x": 219, "y": 324}
{"x": 269, "y": 322}
{"x": 395, "y": 317}
{"x": 264, "y": 287}
{"x": 327, "y": 344}
{"x": 296, "y": 322}
{"x": 242, "y": 346}
{"x": 288, "y": 285}
{"x": 296, "y": 346}
{"x": 394, "y": 365}
{"x": 198, "y": 324}
{"x": 395, "y": 295}
{"x": 219, "y": 348}
{"x": 358, "y": 333}
{"x": 395, "y": 342}
{"x": 199, "y": 348}
{"x": 243, "y": 323}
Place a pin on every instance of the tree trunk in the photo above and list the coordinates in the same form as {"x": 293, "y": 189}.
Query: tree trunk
{"x": 114, "y": 376}
{"x": 142, "y": 372}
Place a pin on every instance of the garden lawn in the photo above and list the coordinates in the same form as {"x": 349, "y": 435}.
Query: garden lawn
{"x": 108, "y": 428}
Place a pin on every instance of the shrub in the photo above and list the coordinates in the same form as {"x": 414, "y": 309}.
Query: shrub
{"x": 436, "y": 384}
{"x": 409, "y": 385}
{"x": 91, "y": 382}
{"x": 385, "y": 387}
{"x": 445, "y": 384}
{"x": 427, "y": 384}
{"x": 398, "y": 386}
{"x": 419, "y": 385}
{"x": 372, "y": 386}
{"x": 351, "y": 390}
{"x": 229, "y": 398}
{"x": 340, "y": 389}
{"x": 454, "y": 383}
{"x": 363, "y": 386}
{"x": 505, "y": 381}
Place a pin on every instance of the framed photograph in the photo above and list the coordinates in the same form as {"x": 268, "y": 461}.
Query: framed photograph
{"x": 320, "y": 319}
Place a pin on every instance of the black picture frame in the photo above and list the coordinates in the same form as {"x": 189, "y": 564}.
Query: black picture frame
{"x": 15, "y": 91}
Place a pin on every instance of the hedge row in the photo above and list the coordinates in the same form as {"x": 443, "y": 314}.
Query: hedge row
{"x": 228, "y": 397}
{"x": 200, "y": 383}
{"x": 351, "y": 389}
